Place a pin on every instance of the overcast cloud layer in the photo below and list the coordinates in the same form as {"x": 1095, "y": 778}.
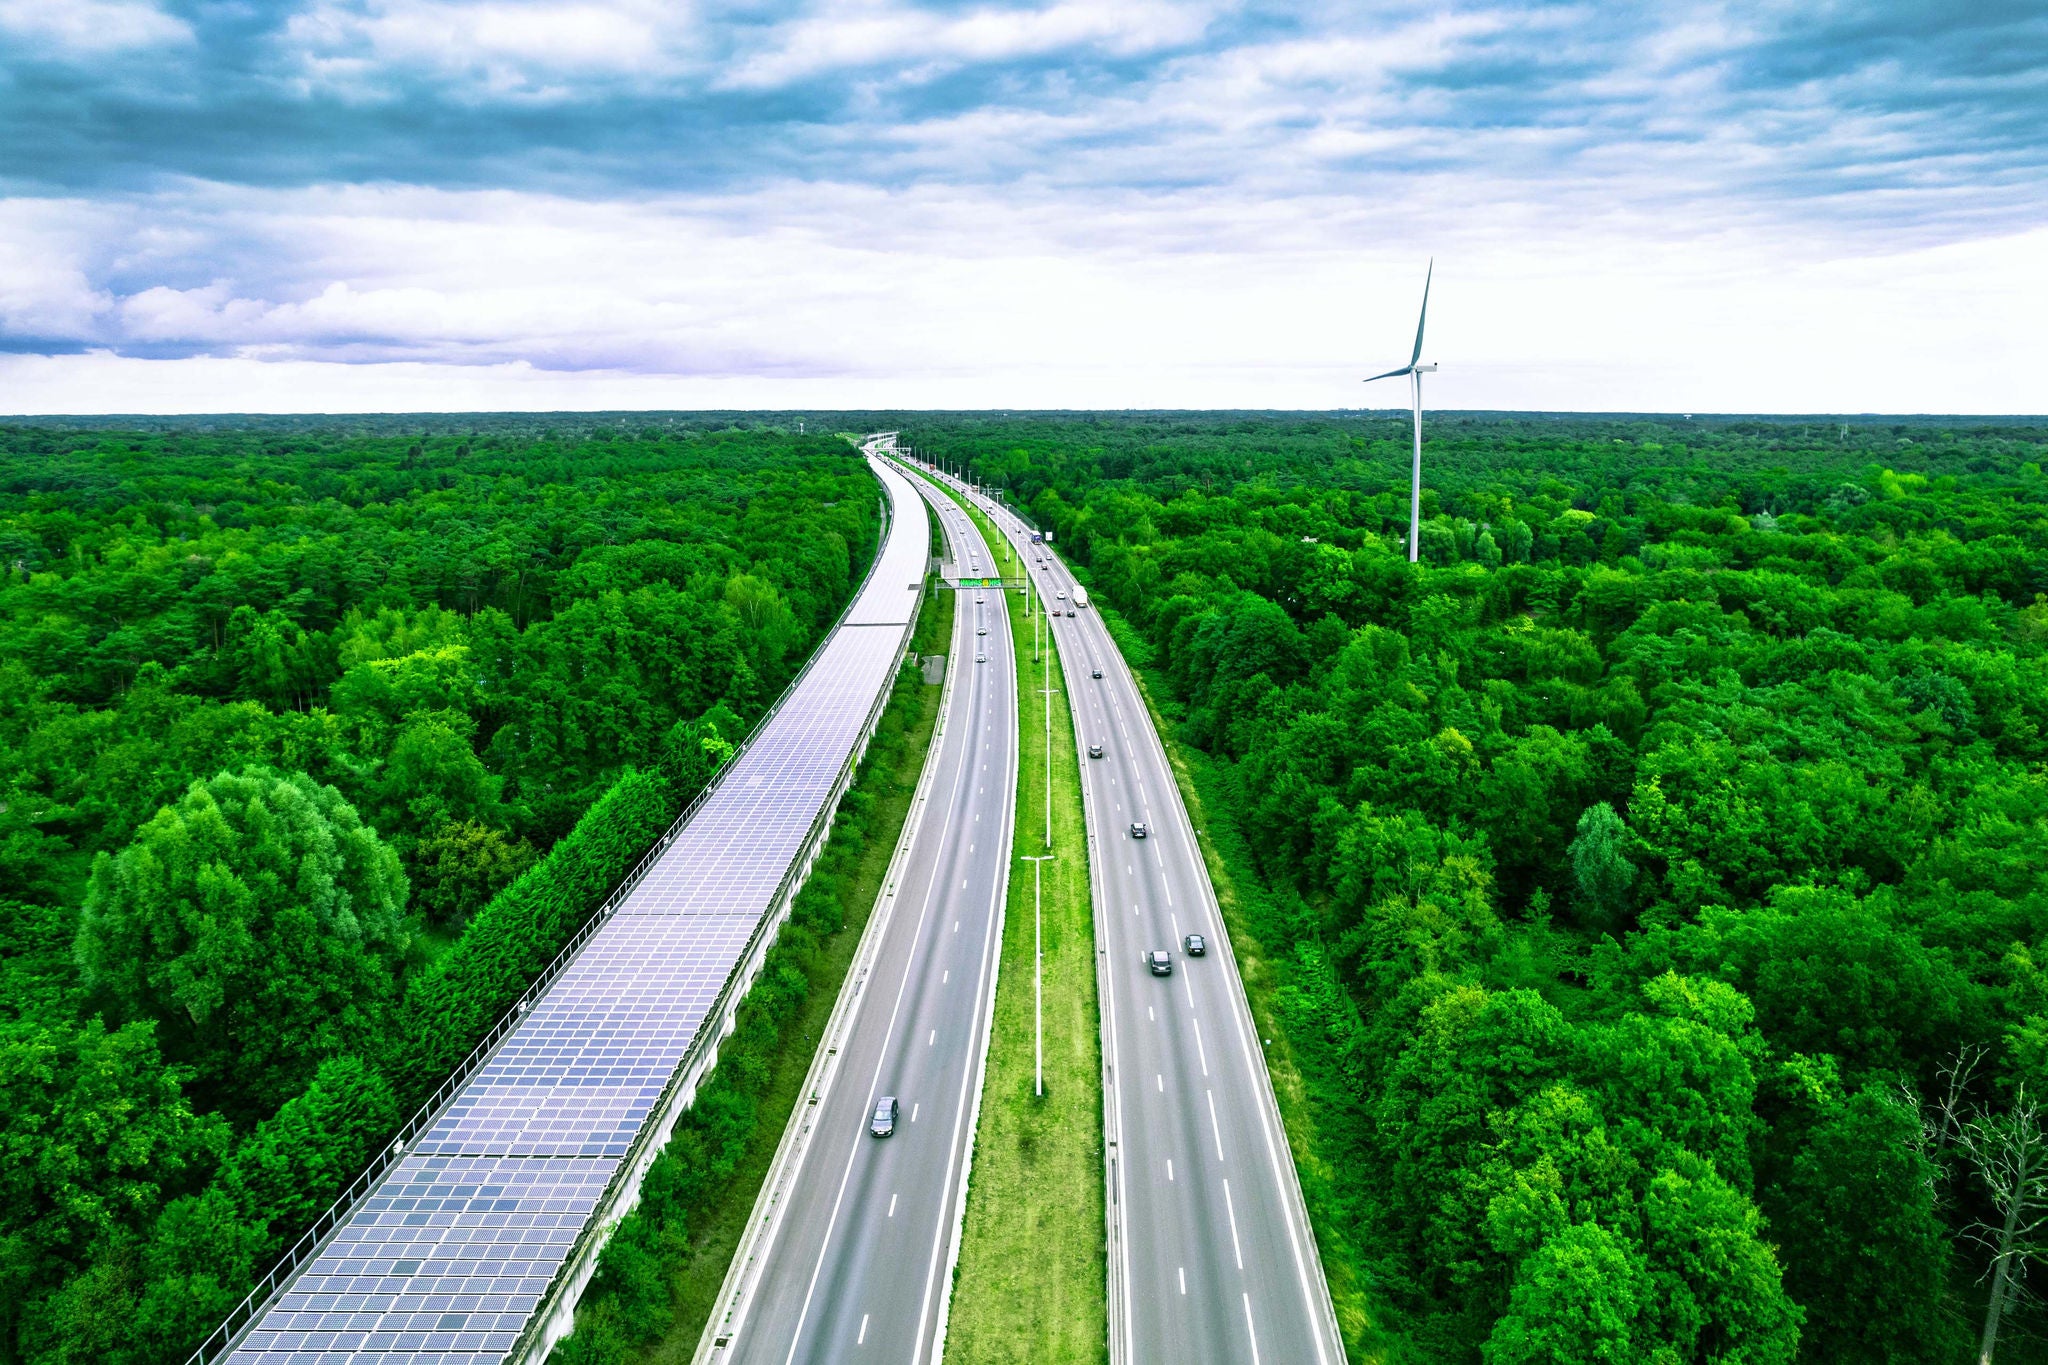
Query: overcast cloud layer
{"x": 403, "y": 204}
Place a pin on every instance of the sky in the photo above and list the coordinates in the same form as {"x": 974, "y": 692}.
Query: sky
{"x": 461, "y": 205}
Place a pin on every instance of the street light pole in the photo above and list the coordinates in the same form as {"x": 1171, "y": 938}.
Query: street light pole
{"x": 1038, "y": 963}
{"x": 1048, "y": 689}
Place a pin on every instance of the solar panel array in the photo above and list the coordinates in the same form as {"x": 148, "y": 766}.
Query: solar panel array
{"x": 444, "y": 1263}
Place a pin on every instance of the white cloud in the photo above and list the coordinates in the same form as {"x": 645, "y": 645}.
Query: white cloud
{"x": 87, "y": 27}
{"x": 841, "y": 296}
{"x": 864, "y": 33}
{"x": 504, "y": 47}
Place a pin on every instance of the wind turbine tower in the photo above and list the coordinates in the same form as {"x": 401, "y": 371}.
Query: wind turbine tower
{"x": 1415, "y": 369}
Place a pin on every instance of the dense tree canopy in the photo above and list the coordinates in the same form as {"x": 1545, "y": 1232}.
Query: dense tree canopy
{"x": 1638, "y": 864}
{"x": 315, "y": 746}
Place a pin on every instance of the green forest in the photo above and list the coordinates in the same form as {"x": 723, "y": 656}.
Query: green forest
{"x": 316, "y": 744}
{"x": 1658, "y": 870}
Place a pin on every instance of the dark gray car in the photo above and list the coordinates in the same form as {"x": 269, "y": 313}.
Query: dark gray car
{"x": 884, "y": 1121}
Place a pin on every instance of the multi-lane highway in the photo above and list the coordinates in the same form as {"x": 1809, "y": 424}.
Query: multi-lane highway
{"x": 1211, "y": 1255}
{"x": 854, "y": 1253}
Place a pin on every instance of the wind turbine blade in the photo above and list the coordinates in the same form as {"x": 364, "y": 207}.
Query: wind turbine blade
{"x": 1423, "y": 317}
{"x": 1390, "y": 373}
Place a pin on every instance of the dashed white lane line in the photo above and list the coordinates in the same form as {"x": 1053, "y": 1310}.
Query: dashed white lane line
{"x": 1183, "y": 1279}
{"x": 913, "y": 1113}
{"x": 933, "y": 1039}
{"x": 862, "y": 1338}
{"x": 1230, "y": 1207}
{"x": 892, "y": 1206}
{"x": 1169, "y": 1168}
{"x": 1161, "y": 1078}
{"x": 944, "y": 977}
{"x": 1201, "y": 1051}
{"x": 1250, "y": 1330}
{"x": 1214, "y": 1126}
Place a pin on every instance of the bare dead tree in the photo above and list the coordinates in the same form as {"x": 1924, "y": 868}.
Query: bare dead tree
{"x": 2009, "y": 1152}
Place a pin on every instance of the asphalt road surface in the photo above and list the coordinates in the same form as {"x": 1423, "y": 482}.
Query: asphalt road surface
{"x": 1212, "y": 1258}
{"x": 861, "y": 1265}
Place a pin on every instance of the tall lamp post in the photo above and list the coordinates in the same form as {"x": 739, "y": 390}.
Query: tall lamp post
{"x": 1048, "y": 689}
{"x": 1038, "y": 964}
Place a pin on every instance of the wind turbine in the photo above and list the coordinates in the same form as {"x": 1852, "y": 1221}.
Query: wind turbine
{"x": 1415, "y": 369}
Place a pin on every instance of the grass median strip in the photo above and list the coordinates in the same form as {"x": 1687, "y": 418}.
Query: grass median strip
{"x": 659, "y": 1277}
{"x": 1029, "y": 1285}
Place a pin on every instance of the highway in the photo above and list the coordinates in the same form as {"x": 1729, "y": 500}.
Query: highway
{"x": 854, "y": 1260}
{"x": 1211, "y": 1255}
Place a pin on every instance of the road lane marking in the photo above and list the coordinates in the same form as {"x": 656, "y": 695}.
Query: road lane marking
{"x": 944, "y": 977}
{"x": 1160, "y": 1077}
{"x": 1250, "y": 1330}
{"x": 1214, "y": 1126}
{"x": 1239, "y": 1016}
{"x": 1201, "y": 1051}
{"x": 1169, "y": 1168}
{"x": 913, "y": 1113}
{"x": 892, "y": 1206}
{"x": 874, "y": 1084}
{"x": 1183, "y": 1279}
{"x": 862, "y": 1338}
{"x": 933, "y": 1039}
{"x": 1231, "y": 1208}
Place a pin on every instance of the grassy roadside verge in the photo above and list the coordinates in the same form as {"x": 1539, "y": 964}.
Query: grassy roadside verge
{"x": 1274, "y": 979}
{"x": 659, "y": 1277}
{"x": 1030, "y": 1281}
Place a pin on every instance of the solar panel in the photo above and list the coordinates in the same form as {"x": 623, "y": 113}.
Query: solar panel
{"x": 444, "y": 1262}
{"x": 453, "y": 1252}
{"x": 891, "y": 595}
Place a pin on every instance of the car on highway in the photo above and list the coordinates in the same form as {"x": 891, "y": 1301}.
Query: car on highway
{"x": 1062, "y": 597}
{"x": 1160, "y": 961}
{"x": 883, "y": 1123}
{"x": 1138, "y": 830}
{"x": 1096, "y": 674}
{"x": 977, "y": 599}
{"x": 981, "y": 630}
{"x": 1070, "y": 611}
{"x": 1196, "y": 945}
{"x": 1095, "y": 751}
{"x": 981, "y": 658}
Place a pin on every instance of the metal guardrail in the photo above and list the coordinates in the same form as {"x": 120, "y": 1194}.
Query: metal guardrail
{"x": 250, "y": 1310}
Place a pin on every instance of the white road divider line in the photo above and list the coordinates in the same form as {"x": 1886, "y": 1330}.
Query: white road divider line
{"x": 1230, "y": 1207}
